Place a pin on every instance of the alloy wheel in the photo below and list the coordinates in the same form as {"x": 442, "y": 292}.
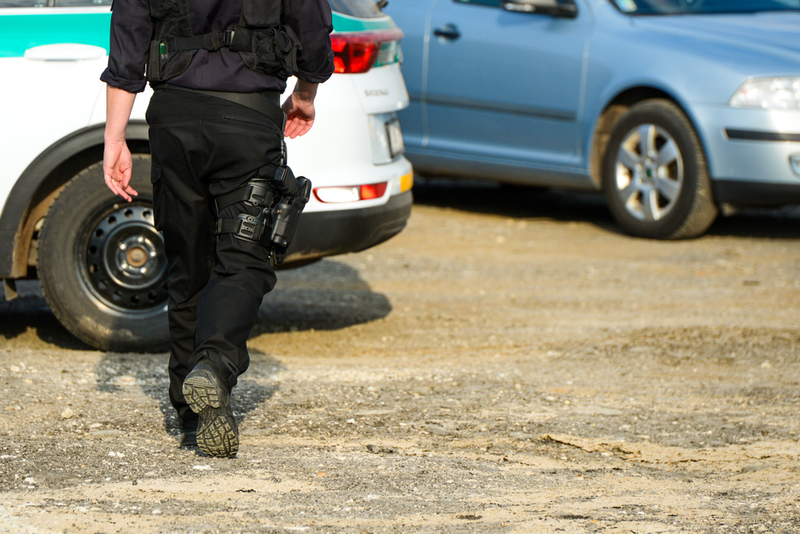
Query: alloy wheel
{"x": 649, "y": 172}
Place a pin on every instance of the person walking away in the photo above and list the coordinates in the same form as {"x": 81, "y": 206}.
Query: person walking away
{"x": 220, "y": 181}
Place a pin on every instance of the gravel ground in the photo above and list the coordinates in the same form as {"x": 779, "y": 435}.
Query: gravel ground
{"x": 509, "y": 363}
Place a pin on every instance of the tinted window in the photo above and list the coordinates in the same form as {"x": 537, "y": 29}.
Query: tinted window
{"x": 689, "y": 7}
{"x": 23, "y": 3}
{"x": 73, "y": 3}
{"x": 365, "y": 9}
{"x": 490, "y": 3}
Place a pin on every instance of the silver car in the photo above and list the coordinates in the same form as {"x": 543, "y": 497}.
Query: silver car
{"x": 673, "y": 108}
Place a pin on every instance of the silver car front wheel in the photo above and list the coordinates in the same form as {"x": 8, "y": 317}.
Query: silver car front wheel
{"x": 649, "y": 172}
{"x": 655, "y": 175}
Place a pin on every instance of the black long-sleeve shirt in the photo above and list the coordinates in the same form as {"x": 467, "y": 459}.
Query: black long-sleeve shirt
{"x": 132, "y": 30}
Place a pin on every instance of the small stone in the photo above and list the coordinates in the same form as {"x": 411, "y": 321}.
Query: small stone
{"x": 14, "y": 369}
{"x": 95, "y": 425}
{"x": 202, "y": 467}
{"x": 436, "y": 429}
{"x": 125, "y": 380}
{"x": 67, "y": 414}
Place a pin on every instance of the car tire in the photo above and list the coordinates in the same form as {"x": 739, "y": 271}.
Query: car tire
{"x": 655, "y": 176}
{"x": 101, "y": 263}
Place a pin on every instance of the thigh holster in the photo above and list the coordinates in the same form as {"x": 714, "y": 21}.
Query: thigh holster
{"x": 279, "y": 202}
{"x": 256, "y": 228}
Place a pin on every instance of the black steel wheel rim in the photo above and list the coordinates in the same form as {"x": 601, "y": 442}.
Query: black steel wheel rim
{"x": 120, "y": 260}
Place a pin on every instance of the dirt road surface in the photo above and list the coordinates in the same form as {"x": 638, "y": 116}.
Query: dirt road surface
{"x": 509, "y": 363}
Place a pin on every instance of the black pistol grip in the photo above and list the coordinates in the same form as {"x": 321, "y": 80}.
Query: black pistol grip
{"x": 285, "y": 182}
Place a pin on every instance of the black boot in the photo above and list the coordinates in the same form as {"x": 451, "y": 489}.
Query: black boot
{"x": 209, "y": 397}
{"x": 189, "y": 433}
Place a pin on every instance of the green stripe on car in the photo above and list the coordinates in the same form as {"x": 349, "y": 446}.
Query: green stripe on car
{"x": 344, "y": 23}
{"x": 19, "y": 33}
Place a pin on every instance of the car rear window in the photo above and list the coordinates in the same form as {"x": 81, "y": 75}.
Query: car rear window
{"x": 23, "y": 3}
{"x": 75, "y": 3}
{"x": 363, "y": 9}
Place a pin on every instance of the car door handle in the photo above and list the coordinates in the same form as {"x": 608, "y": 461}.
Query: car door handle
{"x": 448, "y": 31}
{"x": 65, "y": 52}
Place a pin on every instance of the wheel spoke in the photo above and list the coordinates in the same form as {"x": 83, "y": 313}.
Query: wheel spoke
{"x": 669, "y": 188}
{"x": 628, "y": 192}
{"x": 668, "y": 153}
{"x": 647, "y": 139}
{"x": 628, "y": 158}
{"x": 650, "y": 205}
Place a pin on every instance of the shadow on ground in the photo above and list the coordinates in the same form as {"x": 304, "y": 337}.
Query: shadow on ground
{"x": 326, "y": 295}
{"x": 149, "y": 371}
{"x": 567, "y": 206}
{"x": 29, "y": 312}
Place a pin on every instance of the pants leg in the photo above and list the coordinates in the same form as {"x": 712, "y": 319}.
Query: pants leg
{"x": 203, "y": 147}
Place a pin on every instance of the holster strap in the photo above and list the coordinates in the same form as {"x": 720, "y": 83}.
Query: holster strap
{"x": 257, "y": 193}
{"x": 248, "y": 227}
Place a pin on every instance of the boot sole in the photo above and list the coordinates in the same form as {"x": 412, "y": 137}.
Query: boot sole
{"x": 217, "y": 434}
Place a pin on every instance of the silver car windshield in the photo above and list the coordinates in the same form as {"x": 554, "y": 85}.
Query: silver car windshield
{"x": 696, "y": 7}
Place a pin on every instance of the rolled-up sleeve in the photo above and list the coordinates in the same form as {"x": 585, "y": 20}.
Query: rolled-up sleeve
{"x": 131, "y": 32}
{"x": 312, "y": 21}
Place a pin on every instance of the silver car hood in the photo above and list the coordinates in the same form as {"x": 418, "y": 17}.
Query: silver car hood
{"x": 774, "y": 34}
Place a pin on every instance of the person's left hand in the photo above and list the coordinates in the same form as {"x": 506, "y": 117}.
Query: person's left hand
{"x": 117, "y": 166}
{"x": 300, "y": 115}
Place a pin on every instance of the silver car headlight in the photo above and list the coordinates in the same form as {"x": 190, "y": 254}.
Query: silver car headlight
{"x": 768, "y": 93}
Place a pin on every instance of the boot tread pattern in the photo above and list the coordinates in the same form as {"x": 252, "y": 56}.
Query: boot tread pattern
{"x": 216, "y": 431}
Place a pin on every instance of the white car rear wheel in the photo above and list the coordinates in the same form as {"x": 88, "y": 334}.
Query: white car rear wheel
{"x": 102, "y": 265}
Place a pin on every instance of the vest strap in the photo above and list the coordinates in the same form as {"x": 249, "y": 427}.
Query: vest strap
{"x": 208, "y": 41}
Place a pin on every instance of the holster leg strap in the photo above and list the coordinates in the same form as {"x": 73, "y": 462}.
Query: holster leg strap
{"x": 246, "y": 227}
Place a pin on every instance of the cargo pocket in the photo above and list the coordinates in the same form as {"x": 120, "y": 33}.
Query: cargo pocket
{"x": 158, "y": 197}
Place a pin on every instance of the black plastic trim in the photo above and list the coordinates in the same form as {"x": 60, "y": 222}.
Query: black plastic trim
{"x": 755, "y": 194}
{"x": 17, "y": 205}
{"x": 494, "y": 107}
{"x": 754, "y": 135}
{"x": 327, "y": 233}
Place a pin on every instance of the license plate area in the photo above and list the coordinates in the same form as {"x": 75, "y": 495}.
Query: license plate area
{"x": 395, "y": 136}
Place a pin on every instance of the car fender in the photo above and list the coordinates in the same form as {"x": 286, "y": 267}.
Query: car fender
{"x": 619, "y": 87}
{"x": 40, "y": 182}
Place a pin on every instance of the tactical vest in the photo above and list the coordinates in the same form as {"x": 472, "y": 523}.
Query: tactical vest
{"x": 264, "y": 44}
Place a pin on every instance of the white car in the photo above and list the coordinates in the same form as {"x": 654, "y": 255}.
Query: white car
{"x": 100, "y": 261}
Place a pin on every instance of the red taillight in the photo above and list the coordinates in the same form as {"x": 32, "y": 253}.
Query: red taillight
{"x": 356, "y": 52}
{"x": 373, "y": 191}
{"x": 350, "y": 193}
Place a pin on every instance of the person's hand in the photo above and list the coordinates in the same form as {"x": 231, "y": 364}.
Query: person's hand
{"x": 117, "y": 166}
{"x": 299, "y": 109}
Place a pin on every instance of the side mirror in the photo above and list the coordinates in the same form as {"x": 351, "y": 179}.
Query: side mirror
{"x": 554, "y": 8}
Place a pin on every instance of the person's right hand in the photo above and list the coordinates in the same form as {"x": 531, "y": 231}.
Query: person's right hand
{"x": 117, "y": 161}
{"x": 117, "y": 166}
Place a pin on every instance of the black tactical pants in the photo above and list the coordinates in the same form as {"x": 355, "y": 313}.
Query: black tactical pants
{"x": 202, "y": 148}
